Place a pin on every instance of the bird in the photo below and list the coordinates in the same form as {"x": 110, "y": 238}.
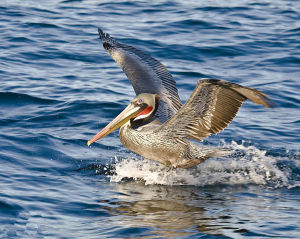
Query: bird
{"x": 156, "y": 125}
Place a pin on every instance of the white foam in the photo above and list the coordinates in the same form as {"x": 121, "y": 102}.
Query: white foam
{"x": 247, "y": 165}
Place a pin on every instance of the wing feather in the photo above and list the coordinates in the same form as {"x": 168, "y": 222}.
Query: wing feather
{"x": 146, "y": 74}
{"x": 212, "y": 106}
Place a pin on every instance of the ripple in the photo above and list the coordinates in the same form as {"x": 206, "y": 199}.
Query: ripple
{"x": 41, "y": 25}
{"x": 197, "y": 23}
{"x": 21, "y": 40}
{"x": 12, "y": 210}
{"x": 19, "y": 99}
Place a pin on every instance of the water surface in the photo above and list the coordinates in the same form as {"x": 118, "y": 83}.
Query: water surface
{"x": 59, "y": 86}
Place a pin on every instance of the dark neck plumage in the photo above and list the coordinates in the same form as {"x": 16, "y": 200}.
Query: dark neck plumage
{"x": 140, "y": 122}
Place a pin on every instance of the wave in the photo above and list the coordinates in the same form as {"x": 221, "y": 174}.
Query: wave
{"x": 247, "y": 165}
{"x": 12, "y": 97}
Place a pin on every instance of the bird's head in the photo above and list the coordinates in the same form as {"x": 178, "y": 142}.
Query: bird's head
{"x": 140, "y": 110}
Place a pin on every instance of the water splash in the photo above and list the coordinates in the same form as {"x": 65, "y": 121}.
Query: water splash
{"x": 247, "y": 165}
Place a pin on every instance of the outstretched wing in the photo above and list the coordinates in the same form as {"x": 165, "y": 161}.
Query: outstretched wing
{"x": 146, "y": 74}
{"x": 212, "y": 106}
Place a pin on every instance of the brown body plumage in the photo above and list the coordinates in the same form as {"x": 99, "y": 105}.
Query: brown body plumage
{"x": 164, "y": 149}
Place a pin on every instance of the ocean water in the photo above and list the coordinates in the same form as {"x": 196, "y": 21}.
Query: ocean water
{"x": 58, "y": 87}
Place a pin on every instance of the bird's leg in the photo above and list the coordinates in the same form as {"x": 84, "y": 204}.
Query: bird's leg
{"x": 170, "y": 169}
{"x": 163, "y": 167}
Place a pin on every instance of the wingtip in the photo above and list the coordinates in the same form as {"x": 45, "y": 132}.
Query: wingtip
{"x": 104, "y": 37}
{"x": 270, "y": 103}
{"x": 101, "y": 33}
{"x": 265, "y": 100}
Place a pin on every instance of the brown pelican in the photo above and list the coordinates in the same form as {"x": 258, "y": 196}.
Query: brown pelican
{"x": 156, "y": 125}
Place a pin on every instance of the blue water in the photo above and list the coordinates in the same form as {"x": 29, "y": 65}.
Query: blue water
{"x": 58, "y": 87}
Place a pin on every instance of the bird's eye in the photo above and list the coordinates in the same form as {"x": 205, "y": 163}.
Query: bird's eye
{"x": 140, "y": 101}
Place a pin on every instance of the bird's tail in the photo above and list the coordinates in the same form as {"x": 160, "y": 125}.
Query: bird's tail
{"x": 218, "y": 152}
{"x": 200, "y": 154}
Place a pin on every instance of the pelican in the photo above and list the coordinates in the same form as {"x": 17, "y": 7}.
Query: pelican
{"x": 156, "y": 125}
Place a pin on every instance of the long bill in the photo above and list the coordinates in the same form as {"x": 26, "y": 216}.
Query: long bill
{"x": 129, "y": 112}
